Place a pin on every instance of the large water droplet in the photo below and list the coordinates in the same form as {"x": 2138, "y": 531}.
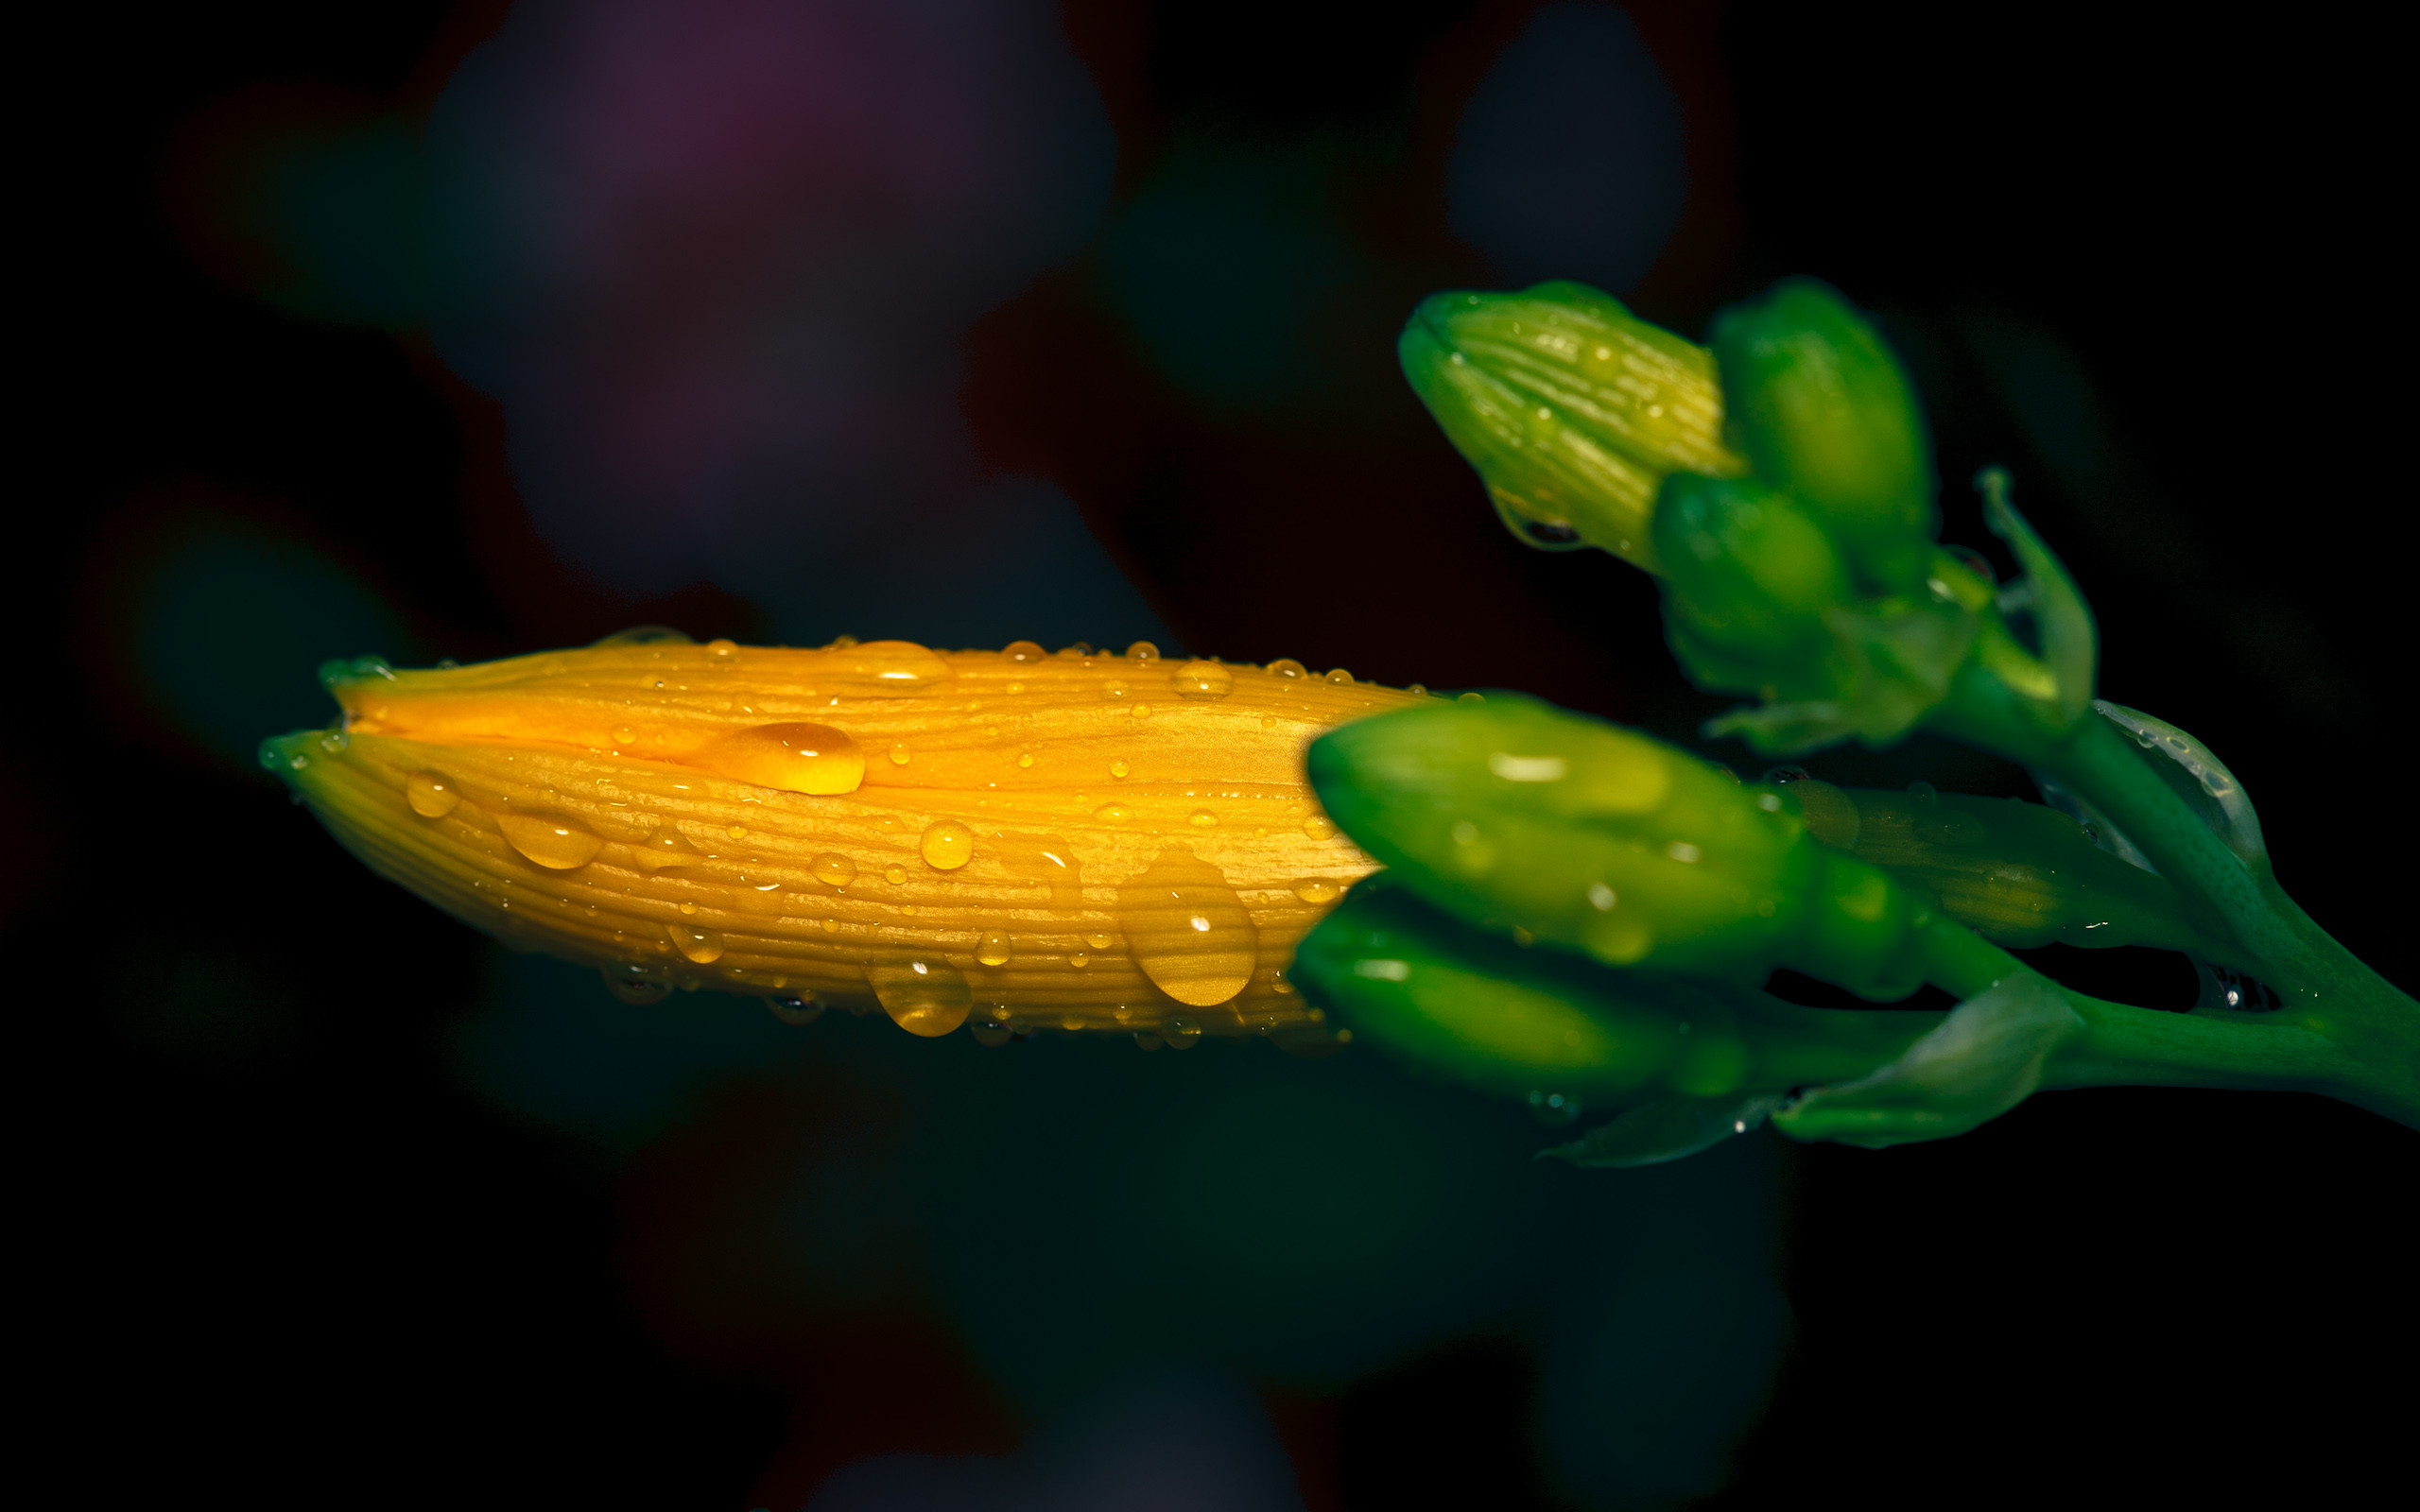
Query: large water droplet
{"x": 885, "y": 667}
{"x": 1315, "y": 890}
{"x": 1100, "y": 939}
{"x": 703, "y": 946}
{"x": 993, "y": 949}
{"x": 1181, "y": 1034}
{"x": 1189, "y": 930}
{"x": 1286, "y": 666}
{"x": 1203, "y": 680}
{"x": 793, "y": 758}
{"x": 833, "y": 871}
{"x": 1143, "y": 651}
{"x": 1024, "y": 651}
{"x": 924, "y": 995}
{"x": 722, "y": 650}
{"x": 555, "y": 841}
{"x": 1319, "y": 826}
{"x": 431, "y": 795}
{"x": 637, "y": 985}
{"x": 1339, "y": 675}
{"x": 946, "y": 845}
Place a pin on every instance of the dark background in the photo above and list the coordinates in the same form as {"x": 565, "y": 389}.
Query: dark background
{"x": 288, "y": 1260}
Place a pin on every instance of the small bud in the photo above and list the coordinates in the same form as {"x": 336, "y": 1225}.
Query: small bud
{"x": 1571, "y": 408}
{"x": 1747, "y": 577}
{"x": 1820, "y": 407}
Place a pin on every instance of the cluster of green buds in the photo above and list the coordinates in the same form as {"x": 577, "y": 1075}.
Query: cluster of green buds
{"x": 1781, "y": 484}
{"x": 1590, "y": 917}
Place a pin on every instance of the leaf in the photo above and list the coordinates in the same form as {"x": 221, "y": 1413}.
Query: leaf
{"x": 1666, "y": 1131}
{"x": 1977, "y": 1064}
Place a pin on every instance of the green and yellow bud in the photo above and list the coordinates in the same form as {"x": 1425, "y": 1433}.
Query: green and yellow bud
{"x": 1823, "y": 411}
{"x": 1747, "y": 579}
{"x": 1576, "y": 832}
{"x": 1026, "y": 840}
{"x": 1572, "y": 409}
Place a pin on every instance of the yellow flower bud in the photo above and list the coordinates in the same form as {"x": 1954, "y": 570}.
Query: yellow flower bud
{"x": 1032, "y": 840}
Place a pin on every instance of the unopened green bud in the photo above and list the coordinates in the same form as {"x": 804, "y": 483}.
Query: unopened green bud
{"x": 1571, "y": 408}
{"x": 1821, "y": 408}
{"x": 1747, "y": 577}
{"x": 1512, "y": 814}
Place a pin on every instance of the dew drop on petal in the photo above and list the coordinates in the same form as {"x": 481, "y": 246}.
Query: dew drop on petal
{"x": 1203, "y": 680}
{"x": 703, "y": 946}
{"x": 555, "y": 841}
{"x": 923, "y": 994}
{"x": 793, "y": 758}
{"x": 431, "y": 796}
{"x": 833, "y": 870}
{"x": 946, "y": 845}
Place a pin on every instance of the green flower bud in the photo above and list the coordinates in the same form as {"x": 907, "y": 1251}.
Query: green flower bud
{"x": 1823, "y": 410}
{"x": 1747, "y": 579}
{"x": 1583, "y": 835}
{"x": 1571, "y": 408}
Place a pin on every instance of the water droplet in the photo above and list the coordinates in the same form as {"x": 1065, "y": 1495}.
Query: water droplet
{"x": 703, "y": 946}
{"x": 992, "y": 1031}
{"x": 899, "y": 754}
{"x": 895, "y": 875}
{"x": 1315, "y": 890}
{"x": 1147, "y": 1041}
{"x": 924, "y": 995}
{"x": 1142, "y": 710}
{"x": 1024, "y": 651}
{"x": 1049, "y": 860}
{"x": 688, "y": 907}
{"x": 1203, "y": 819}
{"x": 833, "y": 871}
{"x": 1143, "y": 651}
{"x": 948, "y": 845}
{"x": 1025, "y": 758}
{"x": 1286, "y": 666}
{"x": 555, "y": 841}
{"x": 993, "y": 949}
{"x": 1079, "y": 960}
{"x": 1319, "y": 826}
{"x": 1682, "y": 852}
{"x": 1181, "y": 1034}
{"x": 1113, "y": 688}
{"x": 721, "y": 651}
{"x": 1100, "y": 939}
{"x": 637, "y": 985}
{"x": 1189, "y": 930}
{"x": 1925, "y": 795}
{"x": 1082, "y": 648}
{"x": 886, "y": 667}
{"x": 431, "y": 795}
{"x": 1470, "y": 697}
{"x": 1339, "y": 675}
{"x": 1203, "y": 680}
{"x": 792, "y": 758}
{"x": 1418, "y": 690}
{"x": 1601, "y": 897}
{"x": 798, "y": 1008}
{"x": 666, "y": 847}
{"x": 1118, "y": 769}
{"x": 1112, "y": 812}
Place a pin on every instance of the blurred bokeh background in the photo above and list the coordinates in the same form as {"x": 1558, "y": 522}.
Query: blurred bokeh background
{"x": 453, "y": 330}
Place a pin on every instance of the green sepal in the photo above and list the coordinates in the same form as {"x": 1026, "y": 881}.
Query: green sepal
{"x": 1984, "y": 1059}
{"x": 1823, "y": 410}
{"x": 1668, "y": 1129}
{"x": 2070, "y": 643}
{"x": 1571, "y": 408}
